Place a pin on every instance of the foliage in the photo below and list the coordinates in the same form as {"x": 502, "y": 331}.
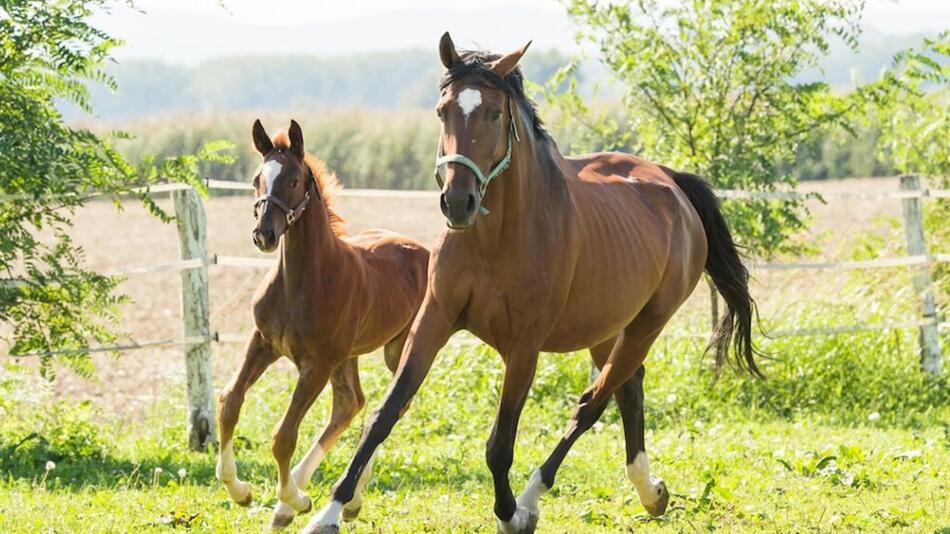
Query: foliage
{"x": 48, "y": 52}
{"x": 709, "y": 87}
{"x": 916, "y": 131}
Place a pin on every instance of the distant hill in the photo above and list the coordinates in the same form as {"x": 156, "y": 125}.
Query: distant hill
{"x": 384, "y": 80}
{"x": 392, "y": 80}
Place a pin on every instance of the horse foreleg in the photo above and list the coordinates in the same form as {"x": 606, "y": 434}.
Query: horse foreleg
{"x": 313, "y": 378}
{"x": 430, "y": 331}
{"x": 348, "y": 400}
{"x": 258, "y": 356}
{"x": 499, "y": 452}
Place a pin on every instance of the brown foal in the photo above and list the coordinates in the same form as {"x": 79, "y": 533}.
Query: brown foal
{"x": 595, "y": 251}
{"x": 329, "y": 299}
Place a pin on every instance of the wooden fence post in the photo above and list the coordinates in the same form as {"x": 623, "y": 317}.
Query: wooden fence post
{"x": 923, "y": 289}
{"x": 192, "y": 241}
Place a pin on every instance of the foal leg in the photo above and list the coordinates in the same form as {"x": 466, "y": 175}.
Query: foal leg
{"x": 258, "y": 356}
{"x": 348, "y": 400}
{"x": 626, "y": 357}
{"x": 629, "y": 396}
{"x": 313, "y": 378}
{"x": 511, "y": 516}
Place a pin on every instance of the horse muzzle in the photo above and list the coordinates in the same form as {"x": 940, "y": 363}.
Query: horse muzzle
{"x": 265, "y": 239}
{"x": 459, "y": 208}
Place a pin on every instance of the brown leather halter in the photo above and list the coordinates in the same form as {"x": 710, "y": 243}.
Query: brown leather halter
{"x": 293, "y": 214}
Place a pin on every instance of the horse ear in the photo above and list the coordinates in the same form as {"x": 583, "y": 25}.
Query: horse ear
{"x": 447, "y": 52}
{"x": 507, "y": 63}
{"x": 262, "y": 141}
{"x": 296, "y": 139}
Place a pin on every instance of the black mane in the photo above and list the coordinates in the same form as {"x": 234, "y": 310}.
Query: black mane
{"x": 473, "y": 69}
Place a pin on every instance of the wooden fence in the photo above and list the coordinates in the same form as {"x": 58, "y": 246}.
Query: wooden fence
{"x": 195, "y": 261}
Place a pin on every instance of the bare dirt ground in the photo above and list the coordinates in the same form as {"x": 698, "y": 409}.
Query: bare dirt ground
{"x": 117, "y": 239}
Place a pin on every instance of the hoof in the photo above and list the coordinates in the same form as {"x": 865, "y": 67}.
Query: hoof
{"x": 523, "y": 522}
{"x": 247, "y": 500}
{"x": 350, "y": 514}
{"x": 280, "y": 522}
{"x": 309, "y": 507}
{"x": 658, "y": 507}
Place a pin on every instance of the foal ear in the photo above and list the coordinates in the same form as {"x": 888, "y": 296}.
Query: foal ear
{"x": 447, "y": 52}
{"x": 296, "y": 139}
{"x": 507, "y": 63}
{"x": 262, "y": 141}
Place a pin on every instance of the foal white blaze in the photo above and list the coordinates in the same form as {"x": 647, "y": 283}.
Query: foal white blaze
{"x": 647, "y": 485}
{"x": 270, "y": 172}
{"x": 226, "y": 472}
{"x": 468, "y": 100}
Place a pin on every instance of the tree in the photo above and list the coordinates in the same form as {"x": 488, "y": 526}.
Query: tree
{"x": 710, "y": 87}
{"x": 915, "y": 130}
{"x": 48, "y": 54}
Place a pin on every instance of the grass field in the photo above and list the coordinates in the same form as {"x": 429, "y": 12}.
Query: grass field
{"x": 835, "y": 442}
{"x": 845, "y": 435}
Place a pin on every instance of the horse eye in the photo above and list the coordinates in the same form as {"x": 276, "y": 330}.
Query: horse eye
{"x": 495, "y": 115}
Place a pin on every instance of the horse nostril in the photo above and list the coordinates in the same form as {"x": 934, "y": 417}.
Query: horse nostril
{"x": 444, "y": 205}
{"x": 470, "y": 206}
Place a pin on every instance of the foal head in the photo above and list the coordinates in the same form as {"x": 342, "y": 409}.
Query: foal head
{"x": 284, "y": 184}
{"x": 480, "y": 94}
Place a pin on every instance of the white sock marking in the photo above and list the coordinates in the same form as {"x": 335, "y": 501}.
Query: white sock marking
{"x": 226, "y": 472}
{"x": 270, "y": 173}
{"x": 329, "y": 515}
{"x": 535, "y": 489}
{"x": 646, "y": 484}
{"x": 468, "y": 100}
{"x": 304, "y": 470}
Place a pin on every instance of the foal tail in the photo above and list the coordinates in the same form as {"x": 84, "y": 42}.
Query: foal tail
{"x": 728, "y": 273}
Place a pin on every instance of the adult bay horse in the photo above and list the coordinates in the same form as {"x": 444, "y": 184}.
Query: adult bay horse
{"x": 593, "y": 251}
{"x": 329, "y": 299}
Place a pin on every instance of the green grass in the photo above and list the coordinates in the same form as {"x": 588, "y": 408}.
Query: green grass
{"x": 845, "y": 435}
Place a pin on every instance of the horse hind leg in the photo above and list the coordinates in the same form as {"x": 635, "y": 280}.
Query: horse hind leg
{"x": 629, "y": 397}
{"x": 624, "y": 360}
{"x": 348, "y": 400}
{"x": 650, "y": 489}
{"x": 258, "y": 356}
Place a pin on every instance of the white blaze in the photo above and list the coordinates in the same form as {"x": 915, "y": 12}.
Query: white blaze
{"x": 270, "y": 173}
{"x": 468, "y": 100}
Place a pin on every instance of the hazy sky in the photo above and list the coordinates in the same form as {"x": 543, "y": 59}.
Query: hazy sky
{"x": 189, "y": 31}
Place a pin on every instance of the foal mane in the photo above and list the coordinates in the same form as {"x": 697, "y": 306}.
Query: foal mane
{"x": 328, "y": 185}
{"x": 473, "y": 68}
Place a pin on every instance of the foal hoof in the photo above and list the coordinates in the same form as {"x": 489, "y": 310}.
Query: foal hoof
{"x": 280, "y": 522}
{"x": 350, "y": 514}
{"x": 524, "y": 521}
{"x": 309, "y": 507}
{"x": 247, "y": 500}
{"x": 658, "y": 507}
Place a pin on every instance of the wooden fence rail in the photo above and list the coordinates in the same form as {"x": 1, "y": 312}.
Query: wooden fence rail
{"x": 194, "y": 262}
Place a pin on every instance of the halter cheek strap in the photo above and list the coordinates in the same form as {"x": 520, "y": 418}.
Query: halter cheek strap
{"x": 293, "y": 214}
{"x": 483, "y": 179}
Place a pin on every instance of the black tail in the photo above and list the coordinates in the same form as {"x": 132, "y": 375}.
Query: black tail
{"x": 725, "y": 267}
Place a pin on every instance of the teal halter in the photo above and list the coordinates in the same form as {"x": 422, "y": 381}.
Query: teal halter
{"x": 483, "y": 179}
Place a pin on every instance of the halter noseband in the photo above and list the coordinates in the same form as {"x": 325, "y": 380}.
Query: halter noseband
{"x": 293, "y": 215}
{"x": 483, "y": 179}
